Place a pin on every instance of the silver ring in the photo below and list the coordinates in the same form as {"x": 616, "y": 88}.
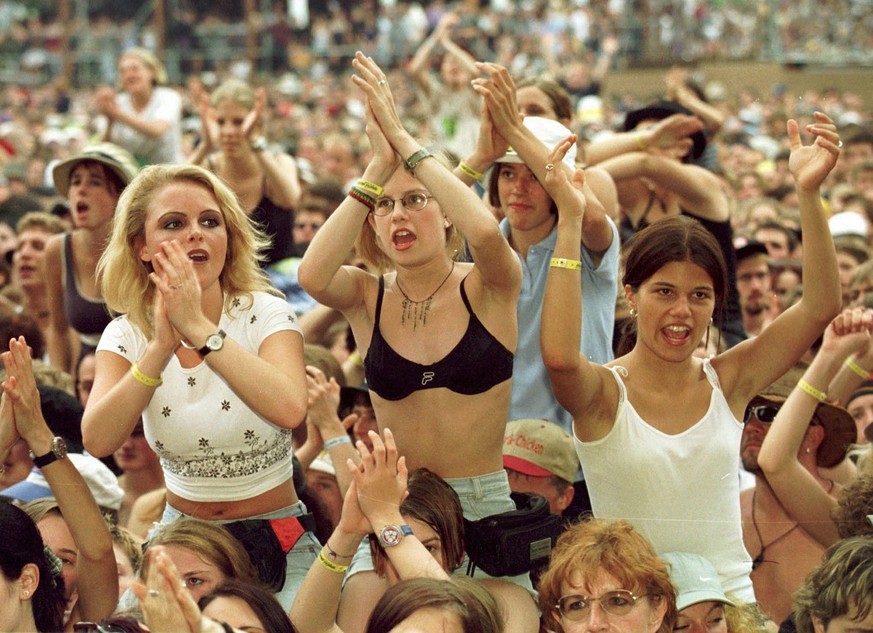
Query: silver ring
{"x": 549, "y": 166}
{"x": 381, "y": 82}
{"x": 154, "y": 593}
{"x": 840, "y": 143}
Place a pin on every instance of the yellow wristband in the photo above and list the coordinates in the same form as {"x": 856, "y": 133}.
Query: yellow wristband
{"x": 472, "y": 173}
{"x": 640, "y": 143}
{"x": 330, "y": 565}
{"x": 141, "y": 377}
{"x": 821, "y": 396}
{"x": 855, "y": 367}
{"x": 371, "y": 187}
{"x": 569, "y": 264}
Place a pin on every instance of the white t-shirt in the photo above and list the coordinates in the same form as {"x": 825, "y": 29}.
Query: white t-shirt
{"x": 212, "y": 446}
{"x": 165, "y": 105}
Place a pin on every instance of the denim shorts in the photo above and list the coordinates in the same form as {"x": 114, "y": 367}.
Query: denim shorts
{"x": 299, "y": 559}
{"x": 480, "y": 497}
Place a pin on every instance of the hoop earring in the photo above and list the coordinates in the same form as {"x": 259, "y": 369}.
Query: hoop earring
{"x": 706, "y": 342}
{"x": 634, "y": 313}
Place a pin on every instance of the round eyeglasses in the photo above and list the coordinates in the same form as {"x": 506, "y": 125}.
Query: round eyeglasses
{"x": 577, "y": 608}
{"x": 412, "y": 201}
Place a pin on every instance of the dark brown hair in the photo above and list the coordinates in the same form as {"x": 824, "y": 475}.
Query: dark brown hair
{"x": 676, "y": 239}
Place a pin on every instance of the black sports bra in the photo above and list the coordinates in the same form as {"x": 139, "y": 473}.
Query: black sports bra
{"x": 476, "y": 364}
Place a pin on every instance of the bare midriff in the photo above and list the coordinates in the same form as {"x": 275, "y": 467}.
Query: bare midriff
{"x": 274, "y": 499}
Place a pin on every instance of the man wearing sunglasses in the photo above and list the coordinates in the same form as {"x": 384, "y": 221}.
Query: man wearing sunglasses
{"x": 782, "y": 552}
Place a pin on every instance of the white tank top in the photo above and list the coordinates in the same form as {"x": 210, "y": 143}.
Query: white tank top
{"x": 681, "y": 491}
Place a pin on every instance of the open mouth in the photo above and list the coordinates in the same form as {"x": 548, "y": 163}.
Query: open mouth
{"x": 403, "y": 239}
{"x": 677, "y": 334}
{"x": 198, "y": 257}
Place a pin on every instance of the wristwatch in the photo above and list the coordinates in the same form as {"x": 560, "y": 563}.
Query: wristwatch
{"x": 214, "y": 342}
{"x": 411, "y": 162}
{"x": 391, "y": 535}
{"x": 259, "y": 144}
{"x": 58, "y": 451}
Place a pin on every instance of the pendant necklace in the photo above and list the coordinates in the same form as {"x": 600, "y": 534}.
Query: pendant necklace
{"x": 416, "y": 311}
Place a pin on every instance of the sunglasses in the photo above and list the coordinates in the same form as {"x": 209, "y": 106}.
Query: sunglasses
{"x": 578, "y": 608}
{"x": 765, "y": 413}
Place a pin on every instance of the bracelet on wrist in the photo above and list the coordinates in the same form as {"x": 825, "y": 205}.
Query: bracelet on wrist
{"x": 143, "y": 379}
{"x": 337, "y": 441}
{"x": 855, "y": 367}
{"x": 371, "y": 187}
{"x": 472, "y": 173}
{"x": 330, "y": 565}
{"x": 804, "y": 386}
{"x": 363, "y": 197}
{"x": 333, "y": 554}
{"x": 569, "y": 264}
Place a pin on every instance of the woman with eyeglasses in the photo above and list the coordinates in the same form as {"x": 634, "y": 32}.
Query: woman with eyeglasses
{"x": 437, "y": 335}
{"x": 672, "y": 420}
{"x": 606, "y": 574}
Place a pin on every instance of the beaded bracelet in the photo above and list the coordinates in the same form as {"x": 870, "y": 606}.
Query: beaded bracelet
{"x": 472, "y": 173}
{"x": 363, "y": 197}
{"x": 142, "y": 378}
{"x": 821, "y": 396}
{"x": 371, "y": 187}
{"x": 337, "y": 441}
{"x": 569, "y": 264}
{"x": 330, "y": 565}
{"x": 855, "y": 367}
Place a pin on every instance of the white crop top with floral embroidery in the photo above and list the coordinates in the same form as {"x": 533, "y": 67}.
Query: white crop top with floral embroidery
{"x": 212, "y": 446}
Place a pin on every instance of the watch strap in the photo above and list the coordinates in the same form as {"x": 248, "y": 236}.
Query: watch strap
{"x": 416, "y": 158}
{"x": 57, "y": 451}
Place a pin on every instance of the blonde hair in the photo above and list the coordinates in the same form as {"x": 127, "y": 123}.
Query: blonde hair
{"x": 235, "y": 91}
{"x": 124, "y": 277}
{"x": 378, "y": 260}
{"x": 149, "y": 59}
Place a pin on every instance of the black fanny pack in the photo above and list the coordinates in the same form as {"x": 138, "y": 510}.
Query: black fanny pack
{"x": 267, "y": 541}
{"x": 513, "y": 542}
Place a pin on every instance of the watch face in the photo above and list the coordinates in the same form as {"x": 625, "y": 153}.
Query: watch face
{"x": 59, "y": 447}
{"x": 215, "y": 342}
{"x": 390, "y": 535}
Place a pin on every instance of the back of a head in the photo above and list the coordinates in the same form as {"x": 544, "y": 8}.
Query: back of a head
{"x": 20, "y": 545}
{"x": 841, "y": 586}
{"x": 465, "y": 598}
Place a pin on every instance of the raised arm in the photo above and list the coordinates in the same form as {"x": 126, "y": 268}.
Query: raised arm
{"x": 155, "y": 128}
{"x": 797, "y": 490}
{"x": 58, "y": 339}
{"x": 670, "y": 133}
{"x": 418, "y": 65}
{"x": 792, "y": 332}
{"x": 678, "y": 91}
{"x": 280, "y": 170}
{"x": 699, "y": 190}
{"x": 577, "y": 384}
{"x": 322, "y": 273}
{"x": 499, "y": 94}
{"x": 95, "y": 564}
{"x": 495, "y": 260}
{"x": 208, "y": 132}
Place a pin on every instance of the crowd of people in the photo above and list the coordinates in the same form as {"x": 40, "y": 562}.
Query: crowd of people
{"x": 295, "y": 361}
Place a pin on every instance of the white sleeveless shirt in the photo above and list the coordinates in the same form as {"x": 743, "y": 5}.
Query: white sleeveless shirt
{"x": 680, "y": 491}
